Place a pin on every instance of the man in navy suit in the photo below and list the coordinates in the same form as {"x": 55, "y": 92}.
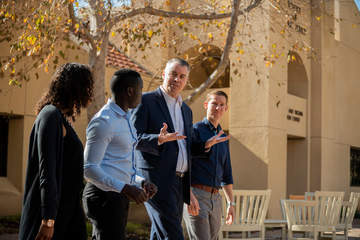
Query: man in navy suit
{"x": 164, "y": 128}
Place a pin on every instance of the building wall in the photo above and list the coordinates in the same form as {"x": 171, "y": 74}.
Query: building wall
{"x": 337, "y": 98}
{"x": 18, "y": 103}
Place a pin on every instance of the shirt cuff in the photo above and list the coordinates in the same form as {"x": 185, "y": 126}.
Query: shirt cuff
{"x": 138, "y": 180}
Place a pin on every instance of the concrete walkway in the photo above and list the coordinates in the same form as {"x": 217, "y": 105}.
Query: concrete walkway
{"x": 270, "y": 234}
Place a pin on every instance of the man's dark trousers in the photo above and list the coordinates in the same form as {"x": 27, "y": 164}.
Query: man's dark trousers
{"x": 167, "y": 222}
{"x": 107, "y": 211}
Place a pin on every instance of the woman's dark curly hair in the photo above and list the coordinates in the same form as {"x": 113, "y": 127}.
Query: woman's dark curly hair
{"x": 70, "y": 89}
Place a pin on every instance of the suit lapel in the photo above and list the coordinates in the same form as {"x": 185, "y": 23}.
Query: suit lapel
{"x": 185, "y": 119}
{"x": 164, "y": 108}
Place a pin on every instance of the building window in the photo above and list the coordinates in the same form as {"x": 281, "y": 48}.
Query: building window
{"x": 4, "y": 131}
{"x": 355, "y": 166}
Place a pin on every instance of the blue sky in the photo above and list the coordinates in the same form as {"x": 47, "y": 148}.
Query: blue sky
{"x": 115, "y": 3}
{"x": 357, "y": 2}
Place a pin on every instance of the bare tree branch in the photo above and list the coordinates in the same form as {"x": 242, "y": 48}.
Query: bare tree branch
{"x": 225, "y": 55}
{"x": 167, "y": 14}
{"x": 86, "y": 35}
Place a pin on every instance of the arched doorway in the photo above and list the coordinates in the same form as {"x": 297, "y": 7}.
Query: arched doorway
{"x": 297, "y": 147}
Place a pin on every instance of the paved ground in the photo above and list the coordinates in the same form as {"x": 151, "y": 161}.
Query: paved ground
{"x": 270, "y": 234}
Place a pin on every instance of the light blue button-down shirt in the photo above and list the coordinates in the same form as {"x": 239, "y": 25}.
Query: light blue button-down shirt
{"x": 110, "y": 151}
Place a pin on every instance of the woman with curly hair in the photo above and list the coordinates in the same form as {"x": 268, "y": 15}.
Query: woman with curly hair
{"x": 54, "y": 180}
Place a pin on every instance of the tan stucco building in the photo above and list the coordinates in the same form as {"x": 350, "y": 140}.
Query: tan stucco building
{"x": 293, "y": 115}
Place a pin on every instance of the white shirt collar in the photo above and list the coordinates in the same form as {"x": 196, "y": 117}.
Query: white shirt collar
{"x": 171, "y": 99}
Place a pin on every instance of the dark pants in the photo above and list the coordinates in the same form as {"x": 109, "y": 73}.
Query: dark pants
{"x": 166, "y": 214}
{"x": 107, "y": 211}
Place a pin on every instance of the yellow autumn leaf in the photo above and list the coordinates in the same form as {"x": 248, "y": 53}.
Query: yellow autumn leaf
{"x": 274, "y": 45}
{"x": 77, "y": 4}
{"x": 241, "y": 51}
{"x": 210, "y": 35}
{"x": 282, "y": 32}
{"x": 25, "y": 20}
{"x": 113, "y": 34}
{"x": 13, "y": 70}
{"x": 167, "y": 2}
{"x": 181, "y": 24}
{"x": 77, "y": 26}
{"x": 318, "y": 18}
{"x": 268, "y": 64}
{"x": 31, "y": 39}
{"x": 150, "y": 33}
{"x": 354, "y": 25}
{"x": 46, "y": 68}
{"x": 293, "y": 58}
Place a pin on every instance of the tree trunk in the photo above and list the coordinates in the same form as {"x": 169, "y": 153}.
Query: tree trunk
{"x": 97, "y": 64}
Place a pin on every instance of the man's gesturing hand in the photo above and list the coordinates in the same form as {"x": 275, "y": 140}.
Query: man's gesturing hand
{"x": 165, "y": 136}
{"x": 135, "y": 193}
{"x": 216, "y": 139}
{"x": 149, "y": 188}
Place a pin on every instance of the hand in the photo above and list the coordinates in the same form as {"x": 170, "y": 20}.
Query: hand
{"x": 216, "y": 139}
{"x": 230, "y": 215}
{"x": 194, "y": 207}
{"x": 149, "y": 188}
{"x": 45, "y": 232}
{"x": 135, "y": 193}
{"x": 165, "y": 136}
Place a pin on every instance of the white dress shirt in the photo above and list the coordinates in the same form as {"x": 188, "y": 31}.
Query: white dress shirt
{"x": 110, "y": 150}
{"x": 174, "y": 106}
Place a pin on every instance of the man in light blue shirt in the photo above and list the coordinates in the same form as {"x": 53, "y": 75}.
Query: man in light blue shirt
{"x": 109, "y": 166}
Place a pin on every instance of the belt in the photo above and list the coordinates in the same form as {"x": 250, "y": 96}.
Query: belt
{"x": 180, "y": 174}
{"x": 206, "y": 188}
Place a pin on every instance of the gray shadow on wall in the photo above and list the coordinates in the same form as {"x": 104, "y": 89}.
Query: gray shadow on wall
{"x": 249, "y": 171}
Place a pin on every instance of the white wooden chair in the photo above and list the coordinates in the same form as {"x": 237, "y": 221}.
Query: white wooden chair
{"x": 348, "y": 210}
{"x": 302, "y": 216}
{"x": 250, "y": 212}
{"x": 329, "y": 207}
{"x": 319, "y": 216}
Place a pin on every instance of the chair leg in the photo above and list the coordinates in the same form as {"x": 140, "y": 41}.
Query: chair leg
{"x": 334, "y": 235}
{"x": 263, "y": 233}
{"x": 220, "y": 237}
{"x": 290, "y": 234}
{"x": 316, "y": 235}
{"x": 346, "y": 233}
{"x": 283, "y": 233}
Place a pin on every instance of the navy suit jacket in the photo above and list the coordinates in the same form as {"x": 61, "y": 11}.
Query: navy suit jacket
{"x": 159, "y": 161}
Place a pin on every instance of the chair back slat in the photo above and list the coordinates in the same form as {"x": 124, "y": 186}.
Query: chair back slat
{"x": 354, "y": 200}
{"x": 300, "y": 212}
{"x": 251, "y": 213}
{"x": 251, "y": 206}
{"x": 237, "y": 209}
{"x": 329, "y": 205}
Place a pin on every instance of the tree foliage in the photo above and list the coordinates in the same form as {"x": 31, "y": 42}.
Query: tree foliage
{"x": 35, "y": 28}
